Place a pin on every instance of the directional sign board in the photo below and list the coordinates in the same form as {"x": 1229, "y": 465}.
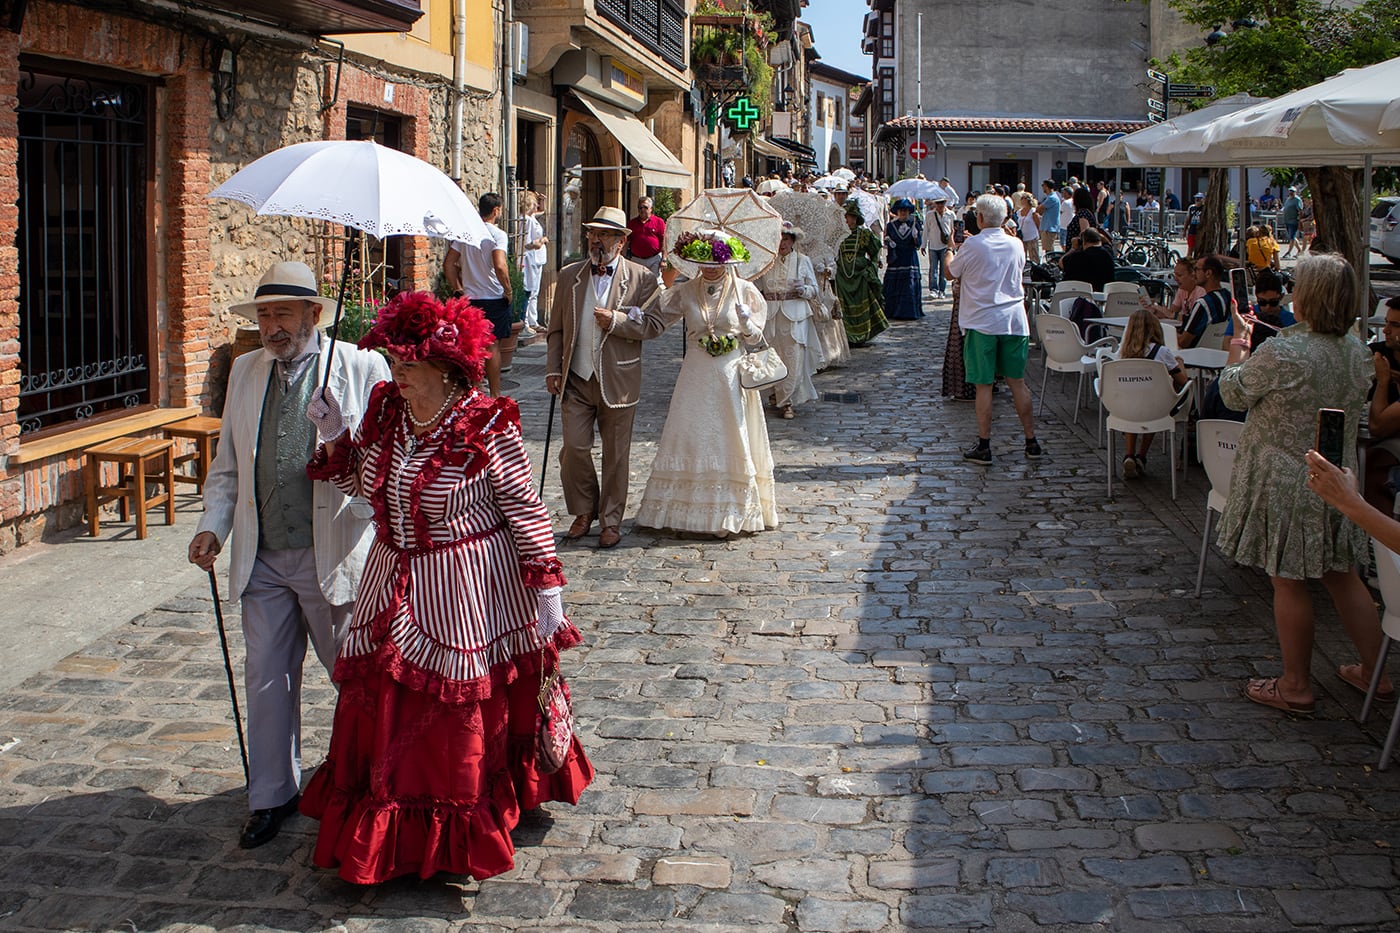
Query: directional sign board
{"x": 1156, "y": 105}
{"x": 1155, "y": 118}
{"x": 1156, "y": 76}
{"x": 1191, "y": 90}
{"x": 918, "y": 149}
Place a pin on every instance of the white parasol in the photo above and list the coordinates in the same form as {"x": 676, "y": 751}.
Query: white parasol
{"x": 362, "y": 186}
{"x": 845, "y": 174}
{"x": 870, "y": 207}
{"x": 771, "y": 186}
{"x": 737, "y": 212}
{"x": 822, "y": 222}
{"x": 916, "y": 189}
{"x": 828, "y": 183}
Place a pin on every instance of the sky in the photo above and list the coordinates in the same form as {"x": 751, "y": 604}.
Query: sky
{"x": 837, "y": 28}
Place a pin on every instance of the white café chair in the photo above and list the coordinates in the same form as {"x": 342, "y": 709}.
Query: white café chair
{"x": 1170, "y": 338}
{"x": 1388, "y": 569}
{"x": 1120, "y": 304}
{"x": 1139, "y": 398}
{"x": 1065, "y": 352}
{"x": 1216, "y": 440}
{"x": 1072, "y": 288}
{"x": 1121, "y": 288}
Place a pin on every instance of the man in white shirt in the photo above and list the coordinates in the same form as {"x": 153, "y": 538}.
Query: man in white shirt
{"x": 481, "y": 274}
{"x": 996, "y": 335}
{"x": 938, "y": 237}
{"x": 949, "y": 190}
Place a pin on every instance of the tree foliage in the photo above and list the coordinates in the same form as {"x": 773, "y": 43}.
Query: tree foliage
{"x": 1291, "y": 44}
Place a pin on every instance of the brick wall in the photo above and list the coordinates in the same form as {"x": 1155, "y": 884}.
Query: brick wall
{"x": 210, "y": 253}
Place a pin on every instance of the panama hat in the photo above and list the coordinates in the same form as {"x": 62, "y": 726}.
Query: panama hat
{"x": 285, "y": 281}
{"x": 609, "y": 218}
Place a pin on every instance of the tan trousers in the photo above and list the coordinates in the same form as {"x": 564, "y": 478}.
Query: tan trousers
{"x": 582, "y": 410}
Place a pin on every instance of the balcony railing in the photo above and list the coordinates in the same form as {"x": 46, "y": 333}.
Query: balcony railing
{"x": 659, "y": 25}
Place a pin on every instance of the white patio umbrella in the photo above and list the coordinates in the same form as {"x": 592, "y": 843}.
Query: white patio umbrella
{"x": 1142, "y": 147}
{"x": 361, "y": 185}
{"x": 1349, "y": 119}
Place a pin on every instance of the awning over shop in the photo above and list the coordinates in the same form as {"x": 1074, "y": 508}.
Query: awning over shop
{"x": 326, "y": 17}
{"x": 660, "y": 169}
{"x": 790, "y": 150}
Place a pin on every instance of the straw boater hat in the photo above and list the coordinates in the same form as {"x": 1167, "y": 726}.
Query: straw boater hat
{"x": 285, "y": 281}
{"x": 609, "y": 218}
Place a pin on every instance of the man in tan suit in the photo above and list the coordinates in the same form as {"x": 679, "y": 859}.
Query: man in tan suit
{"x": 603, "y": 308}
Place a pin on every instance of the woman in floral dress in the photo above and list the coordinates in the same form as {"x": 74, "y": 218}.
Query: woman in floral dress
{"x": 1271, "y": 520}
{"x": 432, "y": 752}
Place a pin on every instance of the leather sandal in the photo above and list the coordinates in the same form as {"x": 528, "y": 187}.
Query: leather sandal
{"x": 1265, "y": 693}
{"x": 1351, "y": 674}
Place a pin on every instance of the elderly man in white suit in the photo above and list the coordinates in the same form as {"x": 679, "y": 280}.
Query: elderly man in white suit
{"x": 298, "y": 546}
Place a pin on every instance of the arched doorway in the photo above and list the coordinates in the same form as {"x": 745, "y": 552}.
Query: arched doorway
{"x": 833, "y": 159}
{"x": 583, "y": 191}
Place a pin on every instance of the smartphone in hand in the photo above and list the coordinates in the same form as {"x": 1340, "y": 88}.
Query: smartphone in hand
{"x": 1331, "y": 434}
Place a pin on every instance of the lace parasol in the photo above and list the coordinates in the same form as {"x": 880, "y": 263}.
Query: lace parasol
{"x": 736, "y": 212}
{"x": 821, "y": 220}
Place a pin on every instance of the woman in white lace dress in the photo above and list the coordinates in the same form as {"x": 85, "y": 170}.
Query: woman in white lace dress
{"x": 790, "y": 288}
{"x": 713, "y": 471}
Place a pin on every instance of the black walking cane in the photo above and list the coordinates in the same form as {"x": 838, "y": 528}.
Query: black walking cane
{"x": 548, "y": 433}
{"x": 228, "y": 669}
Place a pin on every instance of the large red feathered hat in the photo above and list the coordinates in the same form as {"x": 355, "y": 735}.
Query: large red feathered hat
{"x": 416, "y": 326}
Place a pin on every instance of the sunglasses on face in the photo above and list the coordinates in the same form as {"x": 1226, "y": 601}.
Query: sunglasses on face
{"x": 1270, "y": 302}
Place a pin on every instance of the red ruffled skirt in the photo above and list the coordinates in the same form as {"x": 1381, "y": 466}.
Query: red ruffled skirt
{"x": 416, "y": 785}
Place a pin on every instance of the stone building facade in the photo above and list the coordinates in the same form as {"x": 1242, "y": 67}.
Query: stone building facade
{"x": 114, "y": 320}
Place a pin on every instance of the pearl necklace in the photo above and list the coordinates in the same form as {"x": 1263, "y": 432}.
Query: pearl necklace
{"x": 408, "y": 407}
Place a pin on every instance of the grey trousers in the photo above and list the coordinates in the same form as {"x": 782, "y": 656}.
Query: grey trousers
{"x": 282, "y": 607}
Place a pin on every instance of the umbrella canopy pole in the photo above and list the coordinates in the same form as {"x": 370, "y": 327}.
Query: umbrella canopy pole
{"x": 1365, "y": 242}
{"x": 352, "y": 239}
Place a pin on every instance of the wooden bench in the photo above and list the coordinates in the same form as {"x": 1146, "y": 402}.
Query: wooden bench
{"x": 204, "y": 431}
{"x": 139, "y": 461}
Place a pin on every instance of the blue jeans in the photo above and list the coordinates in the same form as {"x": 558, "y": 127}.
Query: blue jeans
{"x": 937, "y": 282}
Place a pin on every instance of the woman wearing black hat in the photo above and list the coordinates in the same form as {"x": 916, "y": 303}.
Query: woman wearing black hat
{"x": 903, "y": 292}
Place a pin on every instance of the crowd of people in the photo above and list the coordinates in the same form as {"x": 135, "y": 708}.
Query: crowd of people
{"x": 382, "y": 507}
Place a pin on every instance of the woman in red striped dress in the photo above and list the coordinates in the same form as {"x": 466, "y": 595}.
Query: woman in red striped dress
{"x": 432, "y": 753}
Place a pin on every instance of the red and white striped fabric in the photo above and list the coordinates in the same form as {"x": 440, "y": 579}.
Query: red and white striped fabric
{"x": 462, "y": 542}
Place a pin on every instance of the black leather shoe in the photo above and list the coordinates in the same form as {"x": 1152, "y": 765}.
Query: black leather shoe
{"x": 262, "y": 825}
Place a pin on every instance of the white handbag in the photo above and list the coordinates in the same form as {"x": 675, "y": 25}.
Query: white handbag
{"x": 761, "y": 367}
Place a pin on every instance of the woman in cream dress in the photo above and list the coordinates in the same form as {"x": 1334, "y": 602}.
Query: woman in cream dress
{"x": 713, "y": 471}
{"x": 790, "y": 288}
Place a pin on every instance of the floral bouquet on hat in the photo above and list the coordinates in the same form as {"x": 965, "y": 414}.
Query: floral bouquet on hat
{"x": 711, "y": 247}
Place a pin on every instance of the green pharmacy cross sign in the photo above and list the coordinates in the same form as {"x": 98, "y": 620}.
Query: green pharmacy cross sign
{"x": 743, "y": 114}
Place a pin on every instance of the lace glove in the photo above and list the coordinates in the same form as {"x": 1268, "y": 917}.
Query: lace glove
{"x": 550, "y": 608}
{"x": 324, "y": 412}
{"x": 742, "y": 310}
{"x": 809, "y": 291}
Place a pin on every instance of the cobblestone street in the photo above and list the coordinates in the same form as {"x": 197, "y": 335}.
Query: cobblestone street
{"x": 940, "y": 697}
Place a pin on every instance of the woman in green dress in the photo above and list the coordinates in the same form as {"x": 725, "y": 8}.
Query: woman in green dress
{"x": 858, "y": 280}
{"x": 1271, "y": 521}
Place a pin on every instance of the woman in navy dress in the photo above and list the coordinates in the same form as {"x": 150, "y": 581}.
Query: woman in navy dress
{"x": 904, "y": 235}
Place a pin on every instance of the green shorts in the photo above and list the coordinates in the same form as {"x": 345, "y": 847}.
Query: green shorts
{"x": 986, "y": 356}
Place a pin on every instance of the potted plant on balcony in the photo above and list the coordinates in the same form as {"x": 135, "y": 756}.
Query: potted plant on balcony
{"x": 729, "y": 49}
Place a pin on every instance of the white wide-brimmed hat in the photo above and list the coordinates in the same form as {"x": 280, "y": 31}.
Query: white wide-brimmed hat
{"x": 285, "y": 281}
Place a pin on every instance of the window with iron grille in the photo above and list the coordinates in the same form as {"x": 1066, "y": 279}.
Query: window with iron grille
{"x": 85, "y": 330}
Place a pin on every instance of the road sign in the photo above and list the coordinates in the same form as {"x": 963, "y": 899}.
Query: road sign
{"x": 918, "y": 149}
{"x": 1156, "y": 76}
{"x": 1156, "y": 105}
{"x": 743, "y": 114}
{"x": 1155, "y": 118}
{"x": 1191, "y": 90}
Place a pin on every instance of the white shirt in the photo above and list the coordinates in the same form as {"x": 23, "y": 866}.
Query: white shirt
{"x": 1027, "y": 225}
{"x": 533, "y": 231}
{"x": 478, "y": 266}
{"x": 1066, "y": 211}
{"x": 990, "y": 266}
{"x": 586, "y": 340}
{"x": 952, "y": 194}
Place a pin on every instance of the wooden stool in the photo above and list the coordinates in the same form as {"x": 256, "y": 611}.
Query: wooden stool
{"x": 204, "y": 431}
{"x": 133, "y": 456}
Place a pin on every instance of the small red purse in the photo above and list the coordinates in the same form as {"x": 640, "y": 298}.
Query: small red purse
{"x": 556, "y": 732}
